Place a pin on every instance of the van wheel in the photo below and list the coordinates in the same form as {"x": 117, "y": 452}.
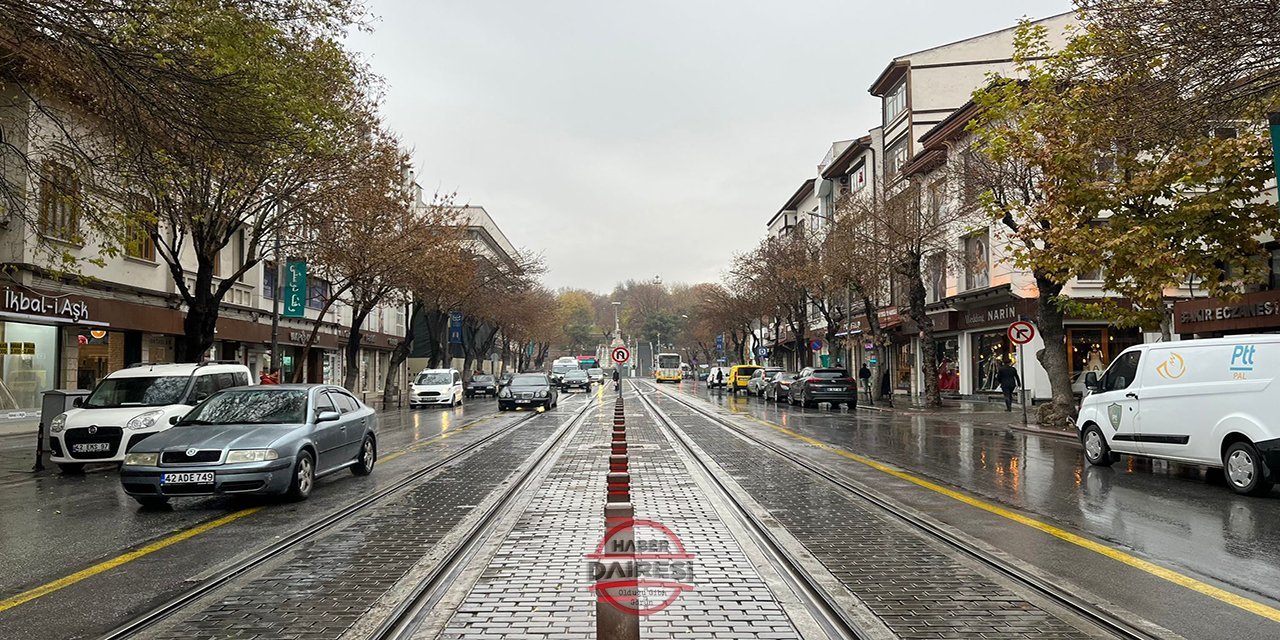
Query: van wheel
{"x": 1245, "y": 470}
{"x": 1096, "y": 450}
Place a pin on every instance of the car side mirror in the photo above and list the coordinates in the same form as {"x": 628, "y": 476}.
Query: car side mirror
{"x": 77, "y": 402}
{"x": 327, "y": 416}
{"x": 1091, "y": 380}
{"x": 174, "y": 420}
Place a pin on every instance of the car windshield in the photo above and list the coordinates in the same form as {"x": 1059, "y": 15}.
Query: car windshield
{"x": 576, "y": 375}
{"x": 253, "y": 406}
{"x": 596, "y": 372}
{"x": 150, "y": 391}
{"x": 437, "y": 377}
{"x": 562, "y": 368}
{"x": 785, "y": 377}
{"x": 830, "y": 374}
{"x": 529, "y": 380}
{"x": 482, "y": 378}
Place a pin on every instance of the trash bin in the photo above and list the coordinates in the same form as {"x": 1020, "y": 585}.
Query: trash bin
{"x": 53, "y": 402}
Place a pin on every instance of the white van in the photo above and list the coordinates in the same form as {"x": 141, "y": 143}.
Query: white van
{"x": 1208, "y": 402}
{"x": 436, "y": 387}
{"x": 132, "y": 404}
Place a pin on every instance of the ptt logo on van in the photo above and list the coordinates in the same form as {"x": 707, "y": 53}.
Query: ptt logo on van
{"x": 1242, "y": 360}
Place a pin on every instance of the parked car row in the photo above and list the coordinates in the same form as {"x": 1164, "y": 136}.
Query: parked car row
{"x": 181, "y": 430}
{"x": 809, "y": 387}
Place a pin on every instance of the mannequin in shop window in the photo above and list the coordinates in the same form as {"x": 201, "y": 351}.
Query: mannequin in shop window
{"x": 1094, "y": 361}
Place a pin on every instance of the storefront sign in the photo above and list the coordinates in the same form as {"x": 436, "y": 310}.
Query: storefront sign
{"x": 998, "y": 314}
{"x": 297, "y": 336}
{"x": 1259, "y": 310}
{"x": 295, "y": 289}
{"x": 62, "y": 306}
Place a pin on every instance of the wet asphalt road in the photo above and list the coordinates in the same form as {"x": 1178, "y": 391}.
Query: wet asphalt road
{"x": 55, "y": 525}
{"x": 1179, "y": 516}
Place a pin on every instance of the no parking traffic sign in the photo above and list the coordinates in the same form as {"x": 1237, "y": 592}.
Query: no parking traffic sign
{"x": 1021, "y": 332}
{"x": 620, "y": 354}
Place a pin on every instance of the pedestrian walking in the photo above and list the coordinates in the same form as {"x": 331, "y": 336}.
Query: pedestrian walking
{"x": 886, "y": 387}
{"x": 864, "y": 376}
{"x": 617, "y": 379}
{"x": 1008, "y": 378}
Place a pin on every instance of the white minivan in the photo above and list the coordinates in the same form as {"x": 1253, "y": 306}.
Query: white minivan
{"x": 1208, "y": 402}
{"x": 437, "y": 387}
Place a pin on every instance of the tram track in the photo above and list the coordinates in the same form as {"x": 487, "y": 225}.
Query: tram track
{"x": 317, "y": 528}
{"x": 1104, "y": 620}
{"x": 822, "y": 607}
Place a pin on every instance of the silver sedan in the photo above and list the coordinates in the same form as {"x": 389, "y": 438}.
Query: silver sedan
{"x": 274, "y": 439}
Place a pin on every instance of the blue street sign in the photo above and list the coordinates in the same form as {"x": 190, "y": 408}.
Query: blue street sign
{"x": 816, "y": 345}
{"x": 455, "y": 327}
{"x": 720, "y": 342}
{"x": 763, "y": 352}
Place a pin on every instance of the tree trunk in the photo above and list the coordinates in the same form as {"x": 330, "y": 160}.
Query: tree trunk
{"x": 202, "y": 317}
{"x": 398, "y": 356}
{"x": 1061, "y": 410}
{"x": 1166, "y": 321}
{"x": 352, "y": 349}
{"x": 915, "y": 309}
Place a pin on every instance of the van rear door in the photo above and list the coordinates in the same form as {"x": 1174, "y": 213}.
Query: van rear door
{"x": 1118, "y": 403}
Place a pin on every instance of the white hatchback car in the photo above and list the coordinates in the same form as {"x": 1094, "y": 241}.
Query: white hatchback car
{"x": 131, "y": 404}
{"x": 436, "y": 387}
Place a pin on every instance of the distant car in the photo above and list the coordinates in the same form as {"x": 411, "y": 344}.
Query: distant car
{"x": 596, "y": 374}
{"x": 739, "y": 375}
{"x": 504, "y": 379}
{"x": 814, "y": 385}
{"x": 132, "y": 404}
{"x": 760, "y": 379}
{"x": 559, "y": 370}
{"x": 528, "y": 390}
{"x": 275, "y": 439}
{"x": 576, "y": 379}
{"x": 779, "y": 386}
{"x": 482, "y": 384}
{"x": 436, "y": 387}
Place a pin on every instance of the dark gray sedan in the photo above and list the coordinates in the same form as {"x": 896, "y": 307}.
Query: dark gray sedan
{"x": 274, "y": 439}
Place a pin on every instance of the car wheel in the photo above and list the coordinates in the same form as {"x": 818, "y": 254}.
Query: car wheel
{"x": 853, "y": 406}
{"x": 1245, "y": 469}
{"x": 368, "y": 456}
{"x": 791, "y": 400}
{"x": 71, "y": 468}
{"x": 152, "y": 502}
{"x": 1095, "y": 446}
{"x": 304, "y": 477}
{"x": 809, "y": 404}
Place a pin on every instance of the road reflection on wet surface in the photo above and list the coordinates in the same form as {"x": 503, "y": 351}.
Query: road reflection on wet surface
{"x": 1178, "y": 515}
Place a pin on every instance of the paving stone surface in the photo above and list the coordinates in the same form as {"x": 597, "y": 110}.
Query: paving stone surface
{"x": 325, "y": 585}
{"x": 537, "y": 587}
{"x": 920, "y": 589}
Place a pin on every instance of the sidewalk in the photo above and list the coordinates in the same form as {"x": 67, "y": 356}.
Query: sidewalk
{"x": 990, "y": 411}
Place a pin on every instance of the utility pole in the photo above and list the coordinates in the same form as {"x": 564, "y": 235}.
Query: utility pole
{"x": 275, "y": 310}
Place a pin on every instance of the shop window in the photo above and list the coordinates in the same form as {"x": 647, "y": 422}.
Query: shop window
{"x": 990, "y": 349}
{"x": 28, "y": 364}
{"x": 936, "y": 274}
{"x": 977, "y": 262}
{"x": 60, "y": 202}
{"x": 947, "y": 354}
{"x": 1092, "y": 348}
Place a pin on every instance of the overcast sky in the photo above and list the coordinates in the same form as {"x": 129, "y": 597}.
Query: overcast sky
{"x": 641, "y": 139}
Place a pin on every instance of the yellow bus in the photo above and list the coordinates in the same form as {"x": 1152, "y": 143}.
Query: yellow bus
{"x": 668, "y": 368}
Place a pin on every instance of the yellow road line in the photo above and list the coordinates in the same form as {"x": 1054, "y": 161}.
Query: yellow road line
{"x": 107, "y": 565}
{"x": 1216, "y": 593}
{"x": 27, "y": 596}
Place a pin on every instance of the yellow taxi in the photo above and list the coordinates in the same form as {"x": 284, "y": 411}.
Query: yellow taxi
{"x": 739, "y": 374}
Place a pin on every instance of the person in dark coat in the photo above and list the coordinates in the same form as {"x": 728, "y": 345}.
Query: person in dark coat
{"x": 617, "y": 379}
{"x": 864, "y": 376}
{"x": 886, "y": 387}
{"x": 1007, "y": 377}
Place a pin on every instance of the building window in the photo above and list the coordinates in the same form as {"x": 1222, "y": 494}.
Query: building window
{"x": 59, "y": 202}
{"x": 138, "y": 241}
{"x": 937, "y": 276}
{"x": 317, "y": 293}
{"x": 239, "y": 245}
{"x": 977, "y": 259}
{"x": 895, "y": 102}
{"x": 270, "y": 276}
{"x": 895, "y": 157}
